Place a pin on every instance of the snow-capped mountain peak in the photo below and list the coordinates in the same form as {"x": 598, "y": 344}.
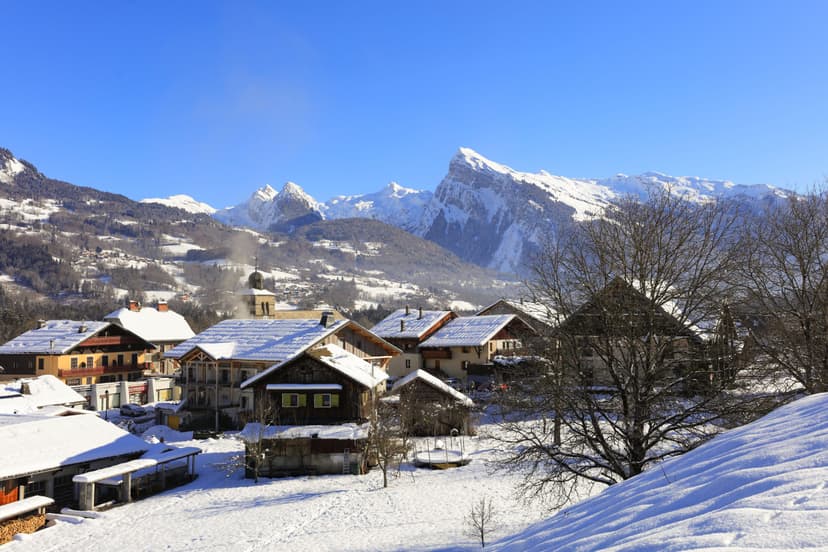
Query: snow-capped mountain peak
{"x": 183, "y": 202}
{"x": 265, "y": 193}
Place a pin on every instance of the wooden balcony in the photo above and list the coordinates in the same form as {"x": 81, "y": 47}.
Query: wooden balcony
{"x": 436, "y": 353}
{"x": 99, "y": 370}
{"x": 103, "y": 341}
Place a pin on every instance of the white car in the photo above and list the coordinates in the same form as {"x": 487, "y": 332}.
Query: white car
{"x": 132, "y": 410}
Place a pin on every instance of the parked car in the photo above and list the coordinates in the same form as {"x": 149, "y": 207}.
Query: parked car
{"x": 454, "y": 382}
{"x": 132, "y": 410}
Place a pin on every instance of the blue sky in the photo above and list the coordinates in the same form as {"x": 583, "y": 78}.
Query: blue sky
{"x": 215, "y": 99}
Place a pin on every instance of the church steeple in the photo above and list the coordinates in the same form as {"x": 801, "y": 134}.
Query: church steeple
{"x": 260, "y": 302}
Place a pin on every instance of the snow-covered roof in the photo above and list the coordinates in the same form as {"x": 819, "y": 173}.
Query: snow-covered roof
{"x": 253, "y": 431}
{"x": 433, "y": 382}
{"x": 257, "y": 339}
{"x": 468, "y": 331}
{"x": 415, "y": 325}
{"x": 151, "y": 324}
{"x": 337, "y": 358}
{"x": 33, "y": 443}
{"x": 28, "y": 395}
{"x": 538, "y": 311}
{"x": 55, "y": 337}
{"x": 349, "y": 365}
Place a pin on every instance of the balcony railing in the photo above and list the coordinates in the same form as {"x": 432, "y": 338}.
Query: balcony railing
{"x": 99, "y": 370}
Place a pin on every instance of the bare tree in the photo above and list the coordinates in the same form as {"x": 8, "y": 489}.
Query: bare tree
{"x": 631, "y": 381}
{"x": 388, "y": 443}
{"x": 480, "y": 520}
{"x": 785, "y": 271}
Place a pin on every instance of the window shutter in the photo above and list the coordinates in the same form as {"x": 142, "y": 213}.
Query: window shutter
{"x": 285, "y": 400}
{"x": 334, "y": 400}
{"x": 303, "y": 400}
{"x": 317, "y": 400}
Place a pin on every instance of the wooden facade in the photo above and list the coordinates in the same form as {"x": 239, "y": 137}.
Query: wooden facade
{"x": 427, "y": 411}
{"x": 312, "y": 393}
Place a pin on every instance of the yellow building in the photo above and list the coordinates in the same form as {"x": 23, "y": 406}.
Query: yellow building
{"x": 77, "y": 352}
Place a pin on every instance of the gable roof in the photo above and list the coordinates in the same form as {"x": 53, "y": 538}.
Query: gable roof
{"x": 434, "y": 382}
{"x": 534, "y": 311}
{"x": 416, "y": 323}
{"x": 151, "y": 324}
{"x": 55, "y": 337}
{"x": 34, "y": 443}
{"x": 469, "y": 331}
{"x": 340, "y": 360}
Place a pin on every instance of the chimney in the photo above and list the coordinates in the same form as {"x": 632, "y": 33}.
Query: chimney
{"x": 402, "y": 325}
{"x": 82, "y": 328}
{"x": 134, "y": 305}
{"x": 327, "y": 319}
{"x": 41, "y": 324}
{"x": 407, "y": 312}
{"x": 162, "y": 306}
{"x": 420, "y": 316}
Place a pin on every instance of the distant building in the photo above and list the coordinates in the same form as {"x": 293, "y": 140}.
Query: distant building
{"x": 259, "y": 302}
{"x": 76, "y": 352}
{"x": 466, "y": 347}
{"x": 406, "y": 329}
{"x": 542, "y": 318}
{"x": 160, "y": 326}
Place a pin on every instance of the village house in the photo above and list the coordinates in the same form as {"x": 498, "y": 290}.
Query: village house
{"x": 406, "y": 329}
{"x": 217, "y": 361}
{"x": 160, "y": 326}
{"x": 612, "y": 325}
{"x": 312, "y": 413}
{"x": 428, "y": 406}
{"x": 466, "y": 347}
{"x": 76, "y": 352}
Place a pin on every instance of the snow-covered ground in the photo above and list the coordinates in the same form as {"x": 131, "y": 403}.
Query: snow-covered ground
{"x": 763, "y": 486}
{"x": 420, "y": 510}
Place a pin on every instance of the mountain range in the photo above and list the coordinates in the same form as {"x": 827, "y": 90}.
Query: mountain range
{"x": 485, "y": 212}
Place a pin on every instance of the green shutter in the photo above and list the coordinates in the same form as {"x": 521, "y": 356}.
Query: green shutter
{"x": 317, "y": 400}
{"x": 303, "y": 400}
{"x": 334, "y": 400}
{"x": 285, "y": 400}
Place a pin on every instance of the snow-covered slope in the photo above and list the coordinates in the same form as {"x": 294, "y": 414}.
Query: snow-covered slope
{"x": 184, "y": 202}
{"x": 9, "y": 167}
{"x": 495, "y": 216}
{"x": 763, "y": 486}
{"x": 394, "y": 204}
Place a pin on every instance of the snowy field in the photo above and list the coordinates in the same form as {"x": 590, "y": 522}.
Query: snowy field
{"x": 763, "y": 486}
{"x": 420, "y": 510}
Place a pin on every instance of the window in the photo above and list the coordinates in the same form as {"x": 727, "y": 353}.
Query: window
{"x": 225, "y": 376}
{"x": 90, "y": 362}
{"x": 437, "y": 364}
{"x": 134, "y": 359}
{"x": 244, "y": 402}
{"x": 73, "y": 363}
{"x": 293, "y": 400}
{"x": 73, "y": 381}
{"x": 40, "y": 364}
{"x": 88, "y": 381}
{"x": 408, "y": 364}
{"x": 325, "y": 400}
{"x": 120, "y": 360}
{"x": 465, "y": 349}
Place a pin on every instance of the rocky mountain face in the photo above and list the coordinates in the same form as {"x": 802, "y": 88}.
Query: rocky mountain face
{"x": 484, "y": 212}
